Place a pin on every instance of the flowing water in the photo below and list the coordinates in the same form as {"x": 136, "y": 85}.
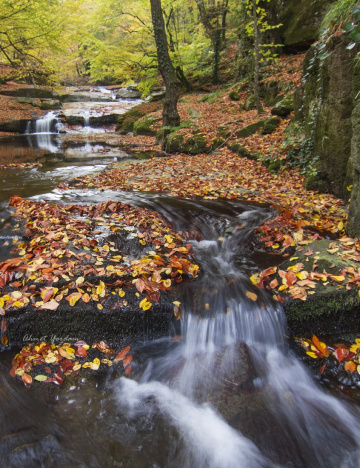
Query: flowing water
{"x": 226, "y": 393}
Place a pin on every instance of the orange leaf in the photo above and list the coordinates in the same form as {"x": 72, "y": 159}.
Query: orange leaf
{"x": 350, "y": 367}
{"x": 251, "y": 295}
{"x": 26, "y": 378}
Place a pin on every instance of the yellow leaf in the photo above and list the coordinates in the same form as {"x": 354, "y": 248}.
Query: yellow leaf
{"x": 255, "y": 279}
{"x": 332, "y": 251}
{"x": 311, "y": 354}
{"x": 167, "y": 283}
{"x": 339, "y": 279}
{"x": 302, "y": 275}
{"x": 177, "y": 303}
{"x": 41, "y": 378}
{"x": 100, "y": 307}
{"x": 145, "y": 304}
{"x": 80, "y": 280}
{"x": 73, "y": 300}
{"x": 169, "y": 239}
{"x": 121, "y": 293}
{"x": 341, "y": 226}
{"x": 293, "y": 258}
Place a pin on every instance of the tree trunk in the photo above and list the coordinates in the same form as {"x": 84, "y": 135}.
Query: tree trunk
{"x": 171, "y": 116}
{"x": 256, "y": 60}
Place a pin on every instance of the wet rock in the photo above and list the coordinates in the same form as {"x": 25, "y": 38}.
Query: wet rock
{"x": 331, "y": 309}
{"x": 29, "y": 92}
{"x": 130, "y": 92}
{"x": 14, "y": 125}
{"x": 50, "y": 104}
{"x": 156, "y": 96}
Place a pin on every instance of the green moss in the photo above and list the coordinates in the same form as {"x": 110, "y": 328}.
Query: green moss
{"x": 250, "y": 129}
{"x": 270, "y": 125}
{"x": 234, "y": 95}
{"x": 195, "y": 144}
{"x": 143, "y": 126}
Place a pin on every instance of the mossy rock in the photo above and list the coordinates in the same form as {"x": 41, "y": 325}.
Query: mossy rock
{"x": 270, "y": 125}
{"x": 216, "y": 143}
{"x": 250, "y": 129}
{"x": 274, "y": 166}
{"x": 26, "y": 100}
{"x": 234, "y": 95}
{"x": 173, "y": 142}
{"x": 317, "y": 183}
{"x": 195, "y": 144}
{"x": 239, "y": 149}
{"x": 284, "y": 107}
{"x": 127, "y": 120}
{"x": 143, "y": 155}
{"x": 331, "y": 309}
{"x": 249, "y": 103}
{"x": 29, "y": 92}
{"x": 50, "y": 104}
{"x": 224, "y": 131}
{"x": 143, "y": 126}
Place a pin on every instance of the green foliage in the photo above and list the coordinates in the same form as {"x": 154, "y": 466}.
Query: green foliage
{"x": 338, "y": 13}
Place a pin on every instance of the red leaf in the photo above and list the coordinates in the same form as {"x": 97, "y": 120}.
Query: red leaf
{"x": 120, "y": 356}
{"x": 81, "y": 352}
{"x": 128, "y": 370}
{"x": 127, "y": 360}
{"x": 341, "y": 354}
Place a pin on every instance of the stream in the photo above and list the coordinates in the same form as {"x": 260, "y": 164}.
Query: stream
{"x": 226, "y": 393}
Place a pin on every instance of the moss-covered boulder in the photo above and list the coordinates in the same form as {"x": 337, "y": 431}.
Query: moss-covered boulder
{"x": 284, "y": 107}
{"x": 249, "y": 104}
{"x": 329, "y": 308}
{"x": 234, "y": 95}
{"x": 250, "y": 129}
{"x": 50, "y": 104}
{"x": 270, "y": 125}
{"x": 126, "y": 121}
{"x": 195, "y": 144}
{"x": 143, "y": 126}
{"x": 353, "y": 225}
{"x": 238, "y": 148}
{"x": 176, "y": 143}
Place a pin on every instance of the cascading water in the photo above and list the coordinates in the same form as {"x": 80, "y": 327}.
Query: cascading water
{"x": 226, "y": 393}
{"x": 41, "y": 132}
{"x": 224, "y": 331}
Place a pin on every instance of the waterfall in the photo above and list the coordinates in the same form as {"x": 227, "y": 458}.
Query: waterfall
{"x": 231, "y": 341}
{"x": 41, "y": 133}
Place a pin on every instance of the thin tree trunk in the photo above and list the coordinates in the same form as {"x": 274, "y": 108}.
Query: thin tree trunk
{"x": 171, "y": 116}
{"x": 256, "y": 60}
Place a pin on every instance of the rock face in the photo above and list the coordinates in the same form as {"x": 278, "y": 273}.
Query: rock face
{"x": 353, "y": 226}
{"x": 330, "y": 91}
{"x": 300, "y": 21}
